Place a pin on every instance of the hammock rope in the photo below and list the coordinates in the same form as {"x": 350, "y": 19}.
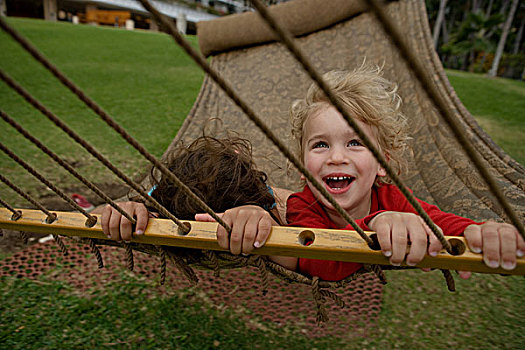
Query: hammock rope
{"x": 65, "y": 165}
{"x": 40, "y": 107}
{"x": 129, "y": 257}
{"x": 213, "y": 259}
{"x": 392, "y": 30}
{"x": 287, "y": 39}
{"x": 50, "y": 216}
{"x": 248, "y": 111}
{"x": 91, "y": 220}
{"x": 162, "y": 254}
{"x": 17, "y": 214}
{"x": 114, "y": 125}
{"x": 96, "y": 252}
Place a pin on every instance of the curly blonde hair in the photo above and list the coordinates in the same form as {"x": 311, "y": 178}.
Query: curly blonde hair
{"x": 368, "y": 97}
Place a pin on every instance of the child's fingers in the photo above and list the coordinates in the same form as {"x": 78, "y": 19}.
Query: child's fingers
{"x": 249, "y": 235}
{"x": 521, "y": 245}
{"x": 491, "y": 245}
{"x": 263, "y": 231}
{"x": 507, "y": 235}
{"x": 114, "y": 225}
{"x": 418, "y": 239}
{"x": 473, "y": 236}
{"x": 125, "y": 229}
{"x": 236, "y": 236}
{"x": 142, "y": 217}
{"x": 383, "y": 232}
{"x": 399, "y": 244}
{"x": 434, "y": 245}
{"x": 464, "y": 274}
{"x": 104, "y": 221}
{"x": 223, "y": 238}
{"x": 205, "y": 217}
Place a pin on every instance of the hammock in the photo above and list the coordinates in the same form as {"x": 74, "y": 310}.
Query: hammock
{"x": 341, "y": 36}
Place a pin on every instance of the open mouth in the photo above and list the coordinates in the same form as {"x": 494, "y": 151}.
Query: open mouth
{"x": 338, "y": 183}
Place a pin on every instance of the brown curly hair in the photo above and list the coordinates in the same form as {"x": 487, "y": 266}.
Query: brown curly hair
{"x": 219, "y": 171}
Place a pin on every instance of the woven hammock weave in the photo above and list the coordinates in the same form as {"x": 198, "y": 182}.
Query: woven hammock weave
{"x": 340, "y": 35}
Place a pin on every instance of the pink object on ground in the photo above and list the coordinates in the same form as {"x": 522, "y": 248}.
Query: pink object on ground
{"x": 82, "y": 202}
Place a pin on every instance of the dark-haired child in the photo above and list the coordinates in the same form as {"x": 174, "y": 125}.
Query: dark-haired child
{"x": 222, "y": 173}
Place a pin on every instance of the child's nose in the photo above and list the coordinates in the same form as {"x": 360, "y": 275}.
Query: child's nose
{"x": 338, "y": 156}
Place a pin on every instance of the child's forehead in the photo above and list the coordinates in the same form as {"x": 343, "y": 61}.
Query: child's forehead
{"x": 330, "y": 118}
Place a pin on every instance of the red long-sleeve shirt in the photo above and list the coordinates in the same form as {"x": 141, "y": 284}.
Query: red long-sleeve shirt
{"x": 304, "y": 210}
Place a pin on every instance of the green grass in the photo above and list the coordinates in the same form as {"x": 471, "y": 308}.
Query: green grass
{"x": 149, "y": 86}
{"x": 498, "y": 105}
{"x": 142, "y": 79}
{"x": 417, "y": 312}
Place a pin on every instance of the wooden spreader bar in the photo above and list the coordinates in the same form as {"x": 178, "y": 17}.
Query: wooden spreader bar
{"x": 325, "y": 244}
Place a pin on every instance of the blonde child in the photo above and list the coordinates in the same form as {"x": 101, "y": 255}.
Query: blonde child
{"x": 334, "y": 154}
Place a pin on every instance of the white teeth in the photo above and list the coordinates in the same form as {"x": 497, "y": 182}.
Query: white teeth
{"x": 339, "y": 178}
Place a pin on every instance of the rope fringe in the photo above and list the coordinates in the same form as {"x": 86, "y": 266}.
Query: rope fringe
{"x": 451, "y": 284}
{"x": 61, "y": 244}
{"x": 129, "y": 257}
{"x": 96, "y": 252}
{"x": 162, "y": 254}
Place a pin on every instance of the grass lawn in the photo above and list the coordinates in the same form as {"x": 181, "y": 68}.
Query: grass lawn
{"x": 498, "y": 106}
{"x": 148, "y": 85}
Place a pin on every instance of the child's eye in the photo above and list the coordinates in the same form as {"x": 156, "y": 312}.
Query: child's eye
{"x": 355, "y": 143}
{"x": 320, "y": 144}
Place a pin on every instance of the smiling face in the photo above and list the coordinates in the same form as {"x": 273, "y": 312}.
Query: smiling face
{"x": 336, "y": 157}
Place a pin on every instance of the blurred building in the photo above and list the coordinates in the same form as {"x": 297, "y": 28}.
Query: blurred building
{"x": 126, "y": 13}
{"x": 122, "y": 13}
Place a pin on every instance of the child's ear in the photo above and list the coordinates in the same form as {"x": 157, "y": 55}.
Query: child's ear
{"x": 381, "y": 171}
{"x": 303, "y": 178}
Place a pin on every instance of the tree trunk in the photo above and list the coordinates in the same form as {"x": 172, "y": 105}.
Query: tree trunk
{"x": 444, "y": 30}
{"x": 517, "y": 42}
{"x": 489, "y": 8}
{"x": 501, "y": 45}
{"x": 439, "y": 20}
{"x": 475, "y": 5}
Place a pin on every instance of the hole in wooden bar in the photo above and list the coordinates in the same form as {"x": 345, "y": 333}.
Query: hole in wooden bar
{"x": 458, "y": 247}
{"x": 306, "y": 237}
{"x": 375, "y": 242}
{"x": 91, "y": 221}
{"x": 16, "y": 215}
{"x": 183, "y": 231}
{"x": 51, "y": 218}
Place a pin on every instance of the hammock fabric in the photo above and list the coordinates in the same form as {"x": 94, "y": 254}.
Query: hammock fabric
{"x": 339, "y": 35}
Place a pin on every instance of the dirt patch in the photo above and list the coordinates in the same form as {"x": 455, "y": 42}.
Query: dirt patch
{"x": 13, "y": 241}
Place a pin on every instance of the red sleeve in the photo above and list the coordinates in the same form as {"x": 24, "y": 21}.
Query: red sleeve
{"x": 304, "y": 211}
{"x": 391, "y": 199}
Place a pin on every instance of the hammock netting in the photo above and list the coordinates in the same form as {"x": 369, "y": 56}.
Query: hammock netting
{"x": 336, "y": 35}
{"x": 340, "y": 35}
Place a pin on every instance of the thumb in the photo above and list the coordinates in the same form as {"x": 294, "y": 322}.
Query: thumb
{"x": 205, "y": 217}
